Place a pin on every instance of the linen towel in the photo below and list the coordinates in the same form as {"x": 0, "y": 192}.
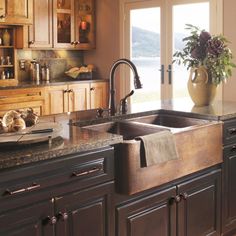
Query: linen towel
{"x": 157, "y": 148}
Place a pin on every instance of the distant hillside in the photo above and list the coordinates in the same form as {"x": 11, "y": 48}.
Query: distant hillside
{"x": 146, "y": 43}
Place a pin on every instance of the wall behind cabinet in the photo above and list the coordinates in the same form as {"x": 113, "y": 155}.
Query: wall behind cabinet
{"x": 107, "y": 37}
{"x": 58, "y": 60}
{"x": 230, "y": 33}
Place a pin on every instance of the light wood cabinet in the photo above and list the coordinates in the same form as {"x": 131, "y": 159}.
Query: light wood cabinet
{"x": 67, "y": 98}
{"x": 16, "y": 12}
{"x": 56, "y": 99}
{"x": 74, "y": 24}
{"x": 98, "y": 95}
{"x": 79, "y": 97}
{"x": 75, "y": 97}
{"x": 7, "y": 56}
{"x": 67, "y": 24}
{"x": 40, "y": 33}
{"x": 13, "y": 99}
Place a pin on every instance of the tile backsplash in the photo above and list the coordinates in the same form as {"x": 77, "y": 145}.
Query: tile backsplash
{"x": 58, "y": 61}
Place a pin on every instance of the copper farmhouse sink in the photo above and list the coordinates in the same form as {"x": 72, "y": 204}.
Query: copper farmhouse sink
{"x": 198, "y": 143}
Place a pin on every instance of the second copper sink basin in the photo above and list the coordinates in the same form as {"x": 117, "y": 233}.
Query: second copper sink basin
{"x": 171, "y": 121}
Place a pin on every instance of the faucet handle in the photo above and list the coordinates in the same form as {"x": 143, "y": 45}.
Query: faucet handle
{"x": 100, "y": 112}
{"x": 124, "y": 103}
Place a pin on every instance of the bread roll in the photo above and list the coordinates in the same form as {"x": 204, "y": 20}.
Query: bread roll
{"x": 18, "y": 124}
{"x": 13, "y": 122}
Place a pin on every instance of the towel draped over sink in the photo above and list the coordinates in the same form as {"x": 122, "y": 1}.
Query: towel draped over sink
{"x": 157, "y": 148}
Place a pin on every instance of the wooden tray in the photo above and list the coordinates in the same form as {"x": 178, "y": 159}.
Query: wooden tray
{"x": 19, "y": 138}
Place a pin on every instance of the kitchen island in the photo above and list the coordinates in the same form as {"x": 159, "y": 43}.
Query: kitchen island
{"x": 68, "y": 186}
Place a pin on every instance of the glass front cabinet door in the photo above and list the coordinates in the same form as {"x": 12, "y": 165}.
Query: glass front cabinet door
{"x": 74, "y": 24}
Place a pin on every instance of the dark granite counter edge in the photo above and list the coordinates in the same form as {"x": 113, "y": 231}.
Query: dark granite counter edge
{"x": 32, "y": 84}
{"x": 57, "y": 152}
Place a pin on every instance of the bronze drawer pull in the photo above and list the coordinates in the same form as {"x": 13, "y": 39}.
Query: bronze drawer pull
{"x": 233, "y": 148}
{"x": 232, "y": 131}
{"x": 12, "y": 192}
{"x": 87, "y": 172}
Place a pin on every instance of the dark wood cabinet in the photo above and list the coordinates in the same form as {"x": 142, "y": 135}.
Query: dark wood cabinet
{"x": 199, "y": 211}
{"x": 190, "y": 208}
{"x": 66, "y": 196}
{"x": 229, "y": 179}
{"x": 150, "y": 216}
{"x": 87, "y": 212}
{"x": 33, "y": 220}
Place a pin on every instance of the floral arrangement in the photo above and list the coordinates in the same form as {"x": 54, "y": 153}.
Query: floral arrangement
{"x": 204, "y": 49}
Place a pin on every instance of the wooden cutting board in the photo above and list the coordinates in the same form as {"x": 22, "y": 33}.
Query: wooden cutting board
{"x": 19, "y": 138}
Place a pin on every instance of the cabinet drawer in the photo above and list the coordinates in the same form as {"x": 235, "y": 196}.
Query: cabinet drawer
{"x": 229, "y": 133}
{"x": 82, "y": 170}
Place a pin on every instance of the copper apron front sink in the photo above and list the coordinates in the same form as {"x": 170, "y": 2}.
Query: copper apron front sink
{"x": 198, "y": 143}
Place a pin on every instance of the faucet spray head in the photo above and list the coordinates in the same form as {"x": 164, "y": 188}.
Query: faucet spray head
{"x": 137, "y": 82}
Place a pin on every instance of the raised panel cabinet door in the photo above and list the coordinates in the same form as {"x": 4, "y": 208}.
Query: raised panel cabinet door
{"x": 40, "y": 33}
{"x": 99, "y": 95}
{"x": 229, "y": 189}
{"x": 88, "y": 212}
{"x": 149, "y": 216}
{"x": 32, "y": 220}
{"x": 199, "y": 211}
{"x": 56, "y": 100}
{"x": 18, "y": 11}
{"x": 79, "y": 97}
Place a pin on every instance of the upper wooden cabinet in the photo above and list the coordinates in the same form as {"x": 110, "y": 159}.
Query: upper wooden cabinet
{"x": 74, "y": 24}
{"x": 40, "y": 33}
{"x": 16, "y": 12}
{"x": 67, "y": 24}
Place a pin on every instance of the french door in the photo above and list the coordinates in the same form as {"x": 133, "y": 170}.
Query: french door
{"x": 151, "y": 31}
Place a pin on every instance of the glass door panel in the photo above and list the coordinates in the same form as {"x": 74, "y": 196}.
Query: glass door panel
{"x": 64, "y": 23}
{"x": 197, "y": 14}
{"x": 63, "y": 28}
{"x": 145, "y": 53}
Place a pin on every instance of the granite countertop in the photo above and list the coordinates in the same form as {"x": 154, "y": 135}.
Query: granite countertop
{"x": 75, "y": 138}
{"x": 59, "y": 81}
{"x": 72, "y": 140}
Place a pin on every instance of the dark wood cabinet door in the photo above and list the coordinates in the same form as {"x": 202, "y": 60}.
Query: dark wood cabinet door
{"x": 88, "y": 212}
{"x": 149, "y": 216}
{"x": 199, "y": 208}
{"x": 229, "y": 189}
{"x": 33, "y": 220}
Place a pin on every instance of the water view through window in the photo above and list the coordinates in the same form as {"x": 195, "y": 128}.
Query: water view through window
{"x": 146, "y": 51}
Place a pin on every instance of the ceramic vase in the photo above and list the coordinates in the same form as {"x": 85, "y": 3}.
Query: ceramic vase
{"x": 6, "y": 38}
{"x": 201, "y": 91}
